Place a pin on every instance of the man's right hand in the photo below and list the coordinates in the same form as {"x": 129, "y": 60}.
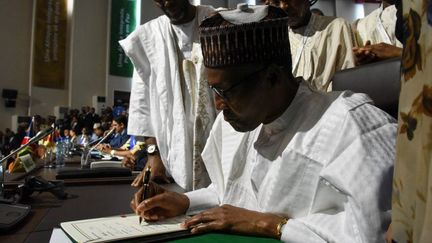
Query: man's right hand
{"x": 161, "y": 204}
{"x": 158, "y": 171}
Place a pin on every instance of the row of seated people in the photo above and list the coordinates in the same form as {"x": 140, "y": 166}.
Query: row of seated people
{"x": 117, "y": 139}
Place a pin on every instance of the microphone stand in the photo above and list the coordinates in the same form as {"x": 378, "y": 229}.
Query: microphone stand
{"x": 94, "y": 146}
{"x": 12, "y": 213}
{"x": 16, "y": 151}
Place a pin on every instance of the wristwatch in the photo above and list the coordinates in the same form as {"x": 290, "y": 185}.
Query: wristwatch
{"x": 152, "y": 149}
{"x": 279, "y": 227}
{"x": 112, "y": 152}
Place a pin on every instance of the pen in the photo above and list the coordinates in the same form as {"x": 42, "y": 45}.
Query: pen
{"x": 146, "y": 181}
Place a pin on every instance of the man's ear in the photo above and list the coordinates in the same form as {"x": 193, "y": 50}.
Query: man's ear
{"x": 273, "y": 74}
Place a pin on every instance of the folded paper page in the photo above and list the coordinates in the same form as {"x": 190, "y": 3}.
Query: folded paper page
{"x": 118, "y": 228}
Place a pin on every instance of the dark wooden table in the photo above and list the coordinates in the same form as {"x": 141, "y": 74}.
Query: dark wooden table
{"x": 85, "y": 202}
{"x": 91, "y": 199}
{"x": 13, "y": 180}
{"x": 88, "y": 198}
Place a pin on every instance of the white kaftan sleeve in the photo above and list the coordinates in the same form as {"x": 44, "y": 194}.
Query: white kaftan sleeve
{"x": 202, "y": 199}
{"x": 353, "y": 199}
{"x": 211, "y": 196}
{"x": 139, "y": 123}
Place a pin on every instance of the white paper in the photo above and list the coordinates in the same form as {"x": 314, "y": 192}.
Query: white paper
{"x": 104, "y": 164}
{"x": 58, "y": 236}
{"x": 27, "y": 162}
{"x": 118, "y": 227}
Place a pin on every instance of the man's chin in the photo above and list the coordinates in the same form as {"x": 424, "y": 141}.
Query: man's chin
{"x": 176, "y": 17}
{"x": 241, "y": 127}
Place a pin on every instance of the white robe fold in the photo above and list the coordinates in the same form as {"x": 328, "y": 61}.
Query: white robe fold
{"x": 379, "y": 26}
{"x": 326, "y": 163}
{"x": 321, "y": 49}
{"x": 170, "y": 98}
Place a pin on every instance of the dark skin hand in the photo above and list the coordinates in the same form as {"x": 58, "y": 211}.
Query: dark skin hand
{"x": 161, "y": 204}
{"x": 157, "y": 171}
{"x": 129, "y": 161}
{"x": 232, "y": 219}
{"x": 377, "y": 52}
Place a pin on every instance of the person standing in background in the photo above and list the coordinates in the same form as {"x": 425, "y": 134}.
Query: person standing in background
{"x": 320, "y": 45}
{"x": 378, "y": 26}
{"x": 171, "y": 105}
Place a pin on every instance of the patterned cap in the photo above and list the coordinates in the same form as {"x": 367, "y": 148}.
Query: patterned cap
{"x": 248, "y": 34}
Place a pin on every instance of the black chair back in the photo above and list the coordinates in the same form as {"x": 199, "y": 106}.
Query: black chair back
{"x": 379, "y": 80}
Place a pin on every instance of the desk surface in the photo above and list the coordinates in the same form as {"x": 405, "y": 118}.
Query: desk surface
{"x": 13, "y": 180}
{"x": 87, "y": 202}
{"x": 90, "y": 201}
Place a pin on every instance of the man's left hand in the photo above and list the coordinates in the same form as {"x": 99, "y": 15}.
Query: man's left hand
{"x": 235, "y": 220}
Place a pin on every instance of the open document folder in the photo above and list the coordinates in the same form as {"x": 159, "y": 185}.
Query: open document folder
{"x": 119, "y": 228}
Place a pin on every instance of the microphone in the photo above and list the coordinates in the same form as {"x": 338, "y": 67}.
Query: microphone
{"x": 102, "y": 139}
{"x": 41, "y": 134}
{"x": 97, "y": 144}
{"x": 94, "y": 142}
{"x": 15, "y": 213}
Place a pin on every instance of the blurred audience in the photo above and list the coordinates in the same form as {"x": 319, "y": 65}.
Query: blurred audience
{"x": 83, "y": 138}
{"x": 73, "y": 133}
{"x": 120, "y": 137}
{"x": 66, "y": 133}
{"x": 79, "y": 126}
{"x": 98, "y": 132}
